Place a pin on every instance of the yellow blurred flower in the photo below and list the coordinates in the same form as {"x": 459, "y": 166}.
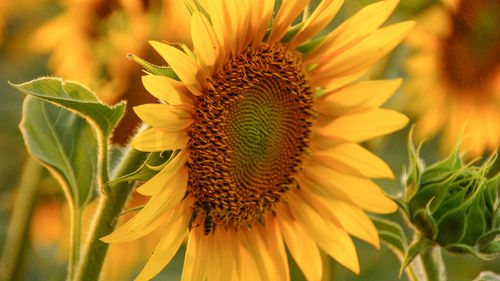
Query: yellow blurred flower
{"x": 90, "y": 40}
{"x": 455, "y": 74}
{"x": 265, "y": 131}
{"x": 48, "y": 229}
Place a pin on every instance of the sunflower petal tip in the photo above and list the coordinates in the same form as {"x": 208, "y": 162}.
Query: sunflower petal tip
{"x": 107, "y": 238}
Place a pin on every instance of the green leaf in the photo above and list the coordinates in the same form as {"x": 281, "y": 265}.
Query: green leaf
{"x": 78, "y": 98}
{"x": 63, "y": 142}
{"x": 154, "y": 69}
{"x": 487, "y": 276}
{"x": 391, "y": 234}
{"x": 414, "y": 250}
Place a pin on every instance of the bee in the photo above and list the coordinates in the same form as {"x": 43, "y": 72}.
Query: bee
{"x": 208, "y": 222}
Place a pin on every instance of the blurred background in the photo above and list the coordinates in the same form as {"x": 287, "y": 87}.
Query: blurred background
{"x": 88, "y": 41}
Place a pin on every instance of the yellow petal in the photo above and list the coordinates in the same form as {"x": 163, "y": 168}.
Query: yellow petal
{"x": 303, "y": 249}
{"x": 222, "y": 25}
{"x": 247, "y": 268}
{"x": 318, "y": 20}
{"x": 170, "y": 242}
{"x": 206, "y": 44}
{"x": 254, "y": 244}
{"x": 184, "y": 66}
{"x": 328, "y": 235}
{"x": 273, "y": 242}
{"x": 158, "y": 139}
{"x": 120, "y": 237}
{"x": 287, "y": 13}
{"x": 354, "y": 159}
{"x": 213, "y": 266}
{"x": 362, "y": 191}
{"x": 167, "y": 89}
{"x": 246, "y": 11}
{"x": 157, "y": 207}
{"x": 262, "y": 12}
{"x": 195, "y": 261}
{"x": 354, "y": 221}
{"x": 165, "y": 176}
{"x": 337, "y": 82}
{"x": 165, "y": 116}
{"x": 365, "y": 125}
{"x": 353, "y": 30}
{"x": 364, "y": 54}
{"x": 356, "y": 97}
{"x": 225, "y": 253}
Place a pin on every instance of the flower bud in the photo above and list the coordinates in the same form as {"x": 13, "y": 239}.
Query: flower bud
{"x": 453, "y": 204}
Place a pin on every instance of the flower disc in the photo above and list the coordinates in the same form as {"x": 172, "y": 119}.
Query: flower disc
{"x": 471, "y": 54}
{"x": 249, "y": 132}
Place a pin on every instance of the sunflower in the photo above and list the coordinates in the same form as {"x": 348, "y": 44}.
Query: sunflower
{"x": 455, "y": 74}
{"x": 264, "y": 125}
{"x": 90, "y": 40}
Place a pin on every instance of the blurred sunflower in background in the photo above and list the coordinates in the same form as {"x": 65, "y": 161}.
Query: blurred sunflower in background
{"x": 455, "y": 74}
{"x": 48, "y": 230}
{"x": 265, "y": 124}
{"x": 89, "y": 42}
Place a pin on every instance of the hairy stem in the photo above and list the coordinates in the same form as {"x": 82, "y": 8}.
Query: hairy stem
{"x": 15, "y": 245}
{"x": 110, "y": 206}
{"x": 433, "y": 264}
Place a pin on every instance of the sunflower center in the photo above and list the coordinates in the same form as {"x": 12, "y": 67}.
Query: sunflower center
{"x": 250, "y": 130}
{"x": 470, "y": 53}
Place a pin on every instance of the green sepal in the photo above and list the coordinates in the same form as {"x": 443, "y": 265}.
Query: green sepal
{"x": 199, "y": 7}
{"x": 75, "y": 97}
{"x": 64, "y": 143}
{"x": 147, "y": 170}
{"x": 488, "y": 237}
{"x": 416, "y": 247}
{"x": 462, "y": 248}
{"x": 154, "y": 69}
{"x": 402, "y": 204}
{"x": 425, "y": 222}
{"x": 441, "y": 170}
{"x": 391, "y": 234}
{"x": 292, "y": 31}
{"x": 189, "y": 7}
{"x": 487, "y": 276}
{"x": 128, "y": 211}
{"x": 452, "y": 227}
{"x": 491, "y": 248}
{"x": 309, "y": 46}
{"x": 412, "y": 176}
{"x": 475, "y": 224}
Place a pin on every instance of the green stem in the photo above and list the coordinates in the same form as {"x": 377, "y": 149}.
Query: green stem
{"x": 411, "y": 273}
{"x": 103, "y": 161}
{"x": 415, "y": 271}
{"x": 110, "y": 206}
{"x": 74, "y": 250}
{"x": 17, "y": 236}
{"x": 433, "y": 264}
